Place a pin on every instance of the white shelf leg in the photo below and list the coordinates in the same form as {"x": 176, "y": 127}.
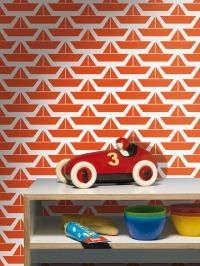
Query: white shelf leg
{"x": 32, "y": 210}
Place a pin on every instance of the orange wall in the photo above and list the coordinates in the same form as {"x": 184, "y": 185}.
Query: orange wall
{"x": 75, "y": 76}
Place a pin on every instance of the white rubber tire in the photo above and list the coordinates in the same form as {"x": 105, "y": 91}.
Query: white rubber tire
{"x": 136, "y": 173}
{"x": 59, "y": 174}
{"x": 75, "y": 170}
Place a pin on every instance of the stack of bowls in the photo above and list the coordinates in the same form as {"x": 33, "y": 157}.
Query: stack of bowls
{"x": 186, "y": 218}
{"x": 145, "y": 222}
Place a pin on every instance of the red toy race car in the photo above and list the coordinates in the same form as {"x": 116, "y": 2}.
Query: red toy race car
{"x": 126, "y": 163}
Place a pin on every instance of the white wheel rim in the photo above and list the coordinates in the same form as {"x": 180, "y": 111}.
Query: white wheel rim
{"x": 74, "y": 173}
{"x": 59, "y": 173}
{"x": 136, "y": 173}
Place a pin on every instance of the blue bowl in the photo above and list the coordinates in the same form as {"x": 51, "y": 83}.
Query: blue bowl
{"x": 145, "y": 228}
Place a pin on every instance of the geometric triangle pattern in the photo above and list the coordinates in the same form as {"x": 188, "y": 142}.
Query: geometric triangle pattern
{"x": 74, "y": 78}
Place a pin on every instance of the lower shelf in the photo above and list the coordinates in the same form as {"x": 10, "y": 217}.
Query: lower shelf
{"x": 115, "y": 256}
{"x": 49, "y": 234}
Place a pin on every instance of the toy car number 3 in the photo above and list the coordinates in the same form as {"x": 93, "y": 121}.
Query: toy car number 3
{"x": 114, "y": 158}
{"x": 126, "y": 162}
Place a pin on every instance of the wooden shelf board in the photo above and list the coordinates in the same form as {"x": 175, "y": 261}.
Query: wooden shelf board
{"x": 50, "y": 235}
{"x": 166, "y": 189}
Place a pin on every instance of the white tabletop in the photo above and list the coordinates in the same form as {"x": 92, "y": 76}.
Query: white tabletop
{"x": 165, "y": 189}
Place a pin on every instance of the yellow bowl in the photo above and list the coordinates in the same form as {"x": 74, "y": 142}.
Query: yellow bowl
{"x": 186, "y": 225}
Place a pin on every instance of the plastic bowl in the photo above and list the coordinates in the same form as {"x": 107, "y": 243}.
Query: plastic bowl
{"x": 188, "y": 208}
{"x": 146, "y": 211}
{"x": 186, "y": 218}
{"x": 186, "y": 225}
{"x": 191, "y": 214}
{"x": 145, "y": 228}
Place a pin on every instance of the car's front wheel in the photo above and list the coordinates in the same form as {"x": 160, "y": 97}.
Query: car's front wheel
{"x": 145, "y": 173}
{"x": 83, "y": 175}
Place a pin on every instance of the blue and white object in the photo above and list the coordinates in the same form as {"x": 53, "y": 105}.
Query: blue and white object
{"x": 82, "y": 233}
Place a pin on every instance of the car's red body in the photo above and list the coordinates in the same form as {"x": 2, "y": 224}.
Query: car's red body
{"x": 110, "y": 161}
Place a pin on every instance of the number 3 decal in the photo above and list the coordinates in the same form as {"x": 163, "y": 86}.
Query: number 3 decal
{"x": 114, "y": 159}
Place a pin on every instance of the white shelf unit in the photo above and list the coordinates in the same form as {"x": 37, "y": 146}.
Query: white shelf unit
{"x": 45, "y": 241}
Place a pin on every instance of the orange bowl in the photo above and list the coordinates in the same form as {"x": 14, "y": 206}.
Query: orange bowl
{"x": 185, "y": 208}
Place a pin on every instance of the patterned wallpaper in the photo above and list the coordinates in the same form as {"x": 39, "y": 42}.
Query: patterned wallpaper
{"x": 75, "y": 75}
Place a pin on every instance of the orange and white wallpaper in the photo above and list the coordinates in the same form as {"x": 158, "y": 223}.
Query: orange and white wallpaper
{"x": 75, "y": 75}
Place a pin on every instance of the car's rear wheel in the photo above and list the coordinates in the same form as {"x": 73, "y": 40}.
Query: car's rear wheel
{"x": 83, "y": 175}
{"x": 145, "y": 173}
{"x": 59, "y": 170}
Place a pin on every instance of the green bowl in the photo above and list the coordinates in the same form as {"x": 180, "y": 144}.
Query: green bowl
{"x": 145, "y": 211}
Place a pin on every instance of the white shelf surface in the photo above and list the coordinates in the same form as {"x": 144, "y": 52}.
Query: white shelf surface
{"x": 165, "y": 189}
{"x": 49, "y": 234}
